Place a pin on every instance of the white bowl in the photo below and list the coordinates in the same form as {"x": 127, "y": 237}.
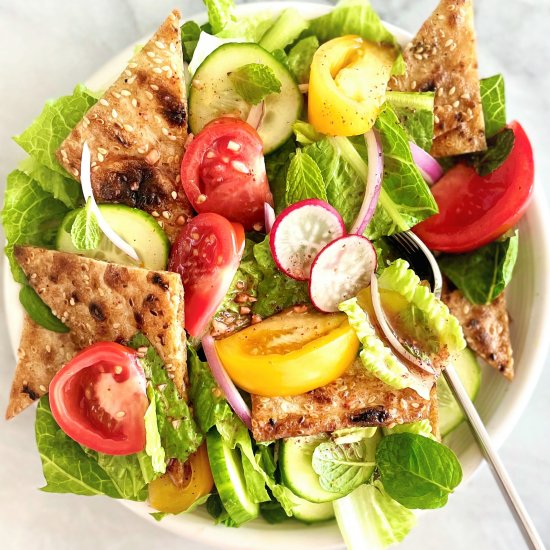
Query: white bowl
{"x": 500, "y": 403}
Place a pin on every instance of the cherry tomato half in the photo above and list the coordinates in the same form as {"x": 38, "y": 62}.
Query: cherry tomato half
{"x": 476, "y": 210}
{"x": 206, "y": 254}
{"x": 223, "y": 171}
{"x": 99, "y": 399}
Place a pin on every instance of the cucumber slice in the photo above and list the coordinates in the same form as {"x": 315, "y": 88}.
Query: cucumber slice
{"x": 310, "y": 512}
{"x": 228, "y": 474}
{"x": 298, "y": 474}
{"x": 213, "y": 94}
{"x": 288, "y": 27}
{"x": 136, "y": 227}
{"x": 469, "y": 372}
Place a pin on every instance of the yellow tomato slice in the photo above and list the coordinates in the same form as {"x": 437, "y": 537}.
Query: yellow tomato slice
{"x": 290, "y": 353}
{"x": 347, "y": 85}
{"x": 175, "y": 492}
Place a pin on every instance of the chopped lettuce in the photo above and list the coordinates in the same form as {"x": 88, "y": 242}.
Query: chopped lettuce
{"x": 422, "y": 427}
{"x": 493, "y": 101}
{"x": 254, "y": 82}
{"x": 190, "y": 33}
{"x": 304, "y": 179}
{"x": 499, "y": 148}
{"x": 249, "y": 28}
{"x": 220, "y": 13}
{"x": 276, "y": 165}
{"x": 153, "y": 444}
{"x": 377, "y": 358}
{"x": 370, "y": 518}
{"x": 397, "y": 277}
{"x": 300, "y": 58}
{"x": 483, "y": 274}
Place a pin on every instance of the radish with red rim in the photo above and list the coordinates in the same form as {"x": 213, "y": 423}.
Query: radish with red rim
{"x": 300, "y": 232}
{"x": 342, "y": 269}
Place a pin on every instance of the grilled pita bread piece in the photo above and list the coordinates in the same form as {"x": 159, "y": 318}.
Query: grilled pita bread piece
{"x": 136, "y": 133}
{"x": 442, "y": 58}
{"x": 486, "y": 328}
{"x": 355, "y": 399}
{"x": 100, "y": 301}
{"x": 434, "y": 413}
{"x": 41, "y": 354}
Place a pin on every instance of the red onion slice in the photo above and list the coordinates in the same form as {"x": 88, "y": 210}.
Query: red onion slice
{"x": 229, "y": 389}
{"x": 256, "y": 115}
{"x": 86, "y": 183}
{"x": 269, "y": 217}
{"x": 430, "y": 169}
{"x": 375, "y": 157}
{"x": 388, "y": 331}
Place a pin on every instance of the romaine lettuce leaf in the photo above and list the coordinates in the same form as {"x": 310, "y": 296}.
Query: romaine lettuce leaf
{"x": 250, "y": 28}
{"x": 220, "y": 13}
{"x": 300, "y": 58}
{"x": 493, "y": 101}
{"x": 397, "y": 277}
{"x": 153, "y": 444}
{"x": 276, "y": 165}
{"x": 499, "y": 148}
{"x": 422, "y": 427}
{"x": 370, "y": 518}
{"x": 190, "y": 33}
{"x": 483, "y": 274}
{"x": 377, "y": 358}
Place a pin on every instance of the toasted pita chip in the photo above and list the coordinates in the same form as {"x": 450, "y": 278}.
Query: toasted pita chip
{"x": 136, "y": 133}
{"x": 355, "y": 399}
{"x": 486, "y": 328}
{"x": 442, "y": 58}
{"x": 434, "y": 414}
{"x": 100, "y": 301}
{"x": 41, "y": 354}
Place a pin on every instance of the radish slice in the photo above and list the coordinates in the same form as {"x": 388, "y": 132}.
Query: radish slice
{"x": 269, "y": 217}
{"x": 300, "y": 232}
{"x": 234, "y": 398}
{"x": 340, "y": 271}
{"x": 375, "y": 157}
{"x": 429, "y": 167}
{"x": 87, "y": 191}
{"x": 389, "y": 332}
{"x": 256, "y": 115}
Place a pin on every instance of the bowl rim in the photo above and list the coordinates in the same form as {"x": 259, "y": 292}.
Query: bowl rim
{"x": 199, "y": 527}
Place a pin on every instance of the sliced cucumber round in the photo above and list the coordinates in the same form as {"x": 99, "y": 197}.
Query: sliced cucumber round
{"x": 136, "y": 227}
{"x": 310, "y": 512}
{"x": 469, "y": 372}
{"x": 213, "y": 94}
{"x": 228, "y": 474}
{"x": 298, "y": 474}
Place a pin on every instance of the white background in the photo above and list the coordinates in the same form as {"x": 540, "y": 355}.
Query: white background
{"x": 47, "y": 47}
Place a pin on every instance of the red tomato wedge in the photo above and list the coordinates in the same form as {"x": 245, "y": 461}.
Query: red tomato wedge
{"x": 476, "y": 210}
{"x": 223, "y": 171}
{"x": 206, "y": 254}
{"x": 99, "y": 399}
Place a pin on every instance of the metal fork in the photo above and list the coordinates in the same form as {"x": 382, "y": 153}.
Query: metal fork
{"x": 424, "y": 264}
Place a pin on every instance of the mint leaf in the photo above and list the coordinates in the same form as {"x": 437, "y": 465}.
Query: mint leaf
{"x": 482, "y": 275}
{"x": 190, "y": 33}
{"x": 85, "y": 231}
{"x": 416, "y": 471}
{"x": 254, "y": 82}
{"x": 220, "y": 13}
{"x": 304, "y": 179}
{"x": 39, "y": 312}
{"x": 498, "y": 149}
{"x": 493, "y": 101}
{"x": 300, "y": 58}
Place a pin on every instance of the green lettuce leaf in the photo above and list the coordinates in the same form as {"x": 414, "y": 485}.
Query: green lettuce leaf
{"x": 250, "y": 28}
{"x": 59, "y": 116}
{"x": 377, "y": 358}
{"x": 276, "y": 165}
{"x": 85, "y": 231}
{"x": 216, "y": 509}
{"x": 179, "y": 433}
{"x": 499, "y": 148}
{"x": 370, "y": 518}
{"x": 276, "y": 291}
{"x": 30, "y": 216}
{"x": 304, "y": 179}
{"x": 300, "y": 58}
{"x": 190, "y": 32}
{"x": 305, "y": 133}
{"x": 416, "y": 471}
{"x": 287, "y": 28}
{"x": 397, "y": 277}
{"x": 153, "y": 444}
{"x": 493, "y": 101}
{"x": 352, "y": 435}
{"x": 220, "y": 13}
{"x": 39, "y": 312}
{"x": 483, "y": 274}
{"x": 254, "y": 82}
{"x": 415, "y": 114}
{"x": 273, "y": 512}
{"x": 422, "y": 427}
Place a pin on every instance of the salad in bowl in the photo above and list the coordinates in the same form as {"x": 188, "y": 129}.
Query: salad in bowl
{"x": 216, "y": 321}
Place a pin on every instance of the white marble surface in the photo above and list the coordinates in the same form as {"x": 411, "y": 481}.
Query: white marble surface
{"x": 47, "y": 46}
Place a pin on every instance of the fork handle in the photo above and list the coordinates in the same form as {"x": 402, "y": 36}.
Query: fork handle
{"x": 523, "y": 520}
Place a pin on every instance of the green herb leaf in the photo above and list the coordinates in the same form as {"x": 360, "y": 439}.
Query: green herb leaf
{"x": 493, "y": 101}
{"x": 422, "y": 427}
{"x": 153, "y": 445}
{"x": 300, "y": 58}
{"x": 254, "y": 82}
{"x": 190, "y": 33}
{"x": 304, "y": 179}
{"x": 276, "y": 165}
{"x": 416, "y": 471}
{"x": 220, "y": 13}
{"x": 343, "y": 468}
{"x": 483, "y": 274}
{"x": 39, "y": 312}
{"x": 179, "y": 434}
{"x": 85, "y": 231}
{"x": 499, "y": 148}
{"x": 305, "y": 133}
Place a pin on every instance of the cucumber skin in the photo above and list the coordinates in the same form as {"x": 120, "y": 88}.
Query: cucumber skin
{"x": 217, "y": 456}
{"x": 311, "y": 513}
